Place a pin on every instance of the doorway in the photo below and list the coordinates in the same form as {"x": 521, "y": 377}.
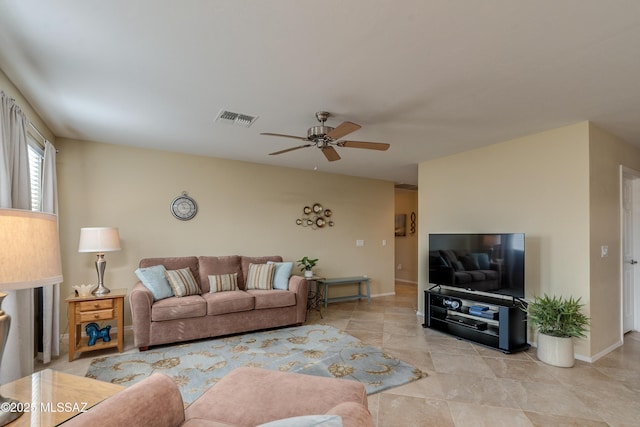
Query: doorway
{"x": 630, "y": 230}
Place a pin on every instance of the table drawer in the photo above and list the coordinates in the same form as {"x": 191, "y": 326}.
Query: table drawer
{"x": 91, "y": 316}
{"x": 100, "y": 304}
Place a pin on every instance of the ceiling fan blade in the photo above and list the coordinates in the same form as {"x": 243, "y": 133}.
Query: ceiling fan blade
{"x": 284, "y": 136}
{"x": 362, "y": 144}
{"x": 343, "y": 129}
{"x": 330, "y": 153}
{"x": 291, "y": 149}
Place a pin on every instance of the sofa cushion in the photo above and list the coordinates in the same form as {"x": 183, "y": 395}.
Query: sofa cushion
{"x": 282, "y": 274}
{"x": 272, "y": 395}
{"x": 174, "y": 263}
{"x": 178, "y": 308}
{"x": 260, "y": 276}
{"x": 223, "y": 282}
{"x": 246, "y": 260}
{"x": 182, "y": 282}
{"x": 272, "y": 298}
{"x": 228, "y": 302}
{"x": 153, "y": 278}
{"x": 210, "y": 265}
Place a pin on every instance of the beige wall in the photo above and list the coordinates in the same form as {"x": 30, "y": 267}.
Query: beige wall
{"x": 244, "y": 208}
{"x": 406, "y": 253}
{"x": 607, "y": 154}
{"x": 538, "y": 185}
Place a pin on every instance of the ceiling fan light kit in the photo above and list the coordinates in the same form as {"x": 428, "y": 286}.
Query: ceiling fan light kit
{"x": 326, "y": 138}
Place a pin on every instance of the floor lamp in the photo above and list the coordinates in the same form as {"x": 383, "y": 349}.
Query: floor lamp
{"x": 29, "y": 258}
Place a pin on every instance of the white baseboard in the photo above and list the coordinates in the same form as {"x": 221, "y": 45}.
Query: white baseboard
{"x": 386, "y": 294}
{"x": 593, "y": 358}
{"x": 601, "y": 354}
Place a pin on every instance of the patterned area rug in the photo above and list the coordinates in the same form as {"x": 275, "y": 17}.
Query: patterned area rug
{"x": 313, "y": 349}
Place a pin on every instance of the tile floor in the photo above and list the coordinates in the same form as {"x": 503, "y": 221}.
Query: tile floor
{"x": 470, "y": 385}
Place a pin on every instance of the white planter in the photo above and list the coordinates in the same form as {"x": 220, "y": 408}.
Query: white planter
{"x": 555, "y": 351}
{"x": 308, "y": 274}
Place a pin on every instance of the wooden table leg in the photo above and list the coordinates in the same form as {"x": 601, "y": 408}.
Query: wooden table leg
{"x": 72, "y": 331}
{"x": 120, "y": 308}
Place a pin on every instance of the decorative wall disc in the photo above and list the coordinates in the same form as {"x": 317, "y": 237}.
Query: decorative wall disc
{"x": 315, "y": 217}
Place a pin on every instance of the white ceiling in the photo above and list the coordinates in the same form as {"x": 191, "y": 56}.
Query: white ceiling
{"x": 430, "y": 77}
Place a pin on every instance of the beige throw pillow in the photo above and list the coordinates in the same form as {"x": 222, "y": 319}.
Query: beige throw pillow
{"x": 260, "y": 276}
{"x": 223, "y": 282}
{"x": 182, "y": 282}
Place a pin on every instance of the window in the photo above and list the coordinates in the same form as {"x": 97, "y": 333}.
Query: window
{"x": 36, "y": 158}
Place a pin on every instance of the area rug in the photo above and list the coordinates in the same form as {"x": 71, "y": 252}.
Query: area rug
{"x": 312, "y": 349}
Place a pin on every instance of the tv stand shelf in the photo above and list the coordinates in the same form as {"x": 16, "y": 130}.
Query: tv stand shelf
{"x": 502, "y": 326}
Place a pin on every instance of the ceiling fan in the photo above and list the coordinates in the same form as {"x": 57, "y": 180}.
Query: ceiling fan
{"x": 325, "y": 138}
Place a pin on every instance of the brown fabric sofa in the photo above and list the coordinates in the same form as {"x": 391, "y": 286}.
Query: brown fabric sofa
{"x": 177, "y": 319}
{"x": 246, "y": 397}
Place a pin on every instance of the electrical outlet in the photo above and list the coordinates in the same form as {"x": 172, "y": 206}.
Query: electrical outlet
{"x": 359, "y": 243}
{"x": 399, "y": 267}
{"x": 604, "y": 251}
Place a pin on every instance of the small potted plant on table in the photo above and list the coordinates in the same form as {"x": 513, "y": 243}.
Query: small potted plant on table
{"x": 306, "y": 264}
{"x": 558, "y": 321}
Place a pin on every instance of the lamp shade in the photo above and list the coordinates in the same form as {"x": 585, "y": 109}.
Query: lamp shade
{"x": 99, "y": 239}
{"x": 29, "y": 249}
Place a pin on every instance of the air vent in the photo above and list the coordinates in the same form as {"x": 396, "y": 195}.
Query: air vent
{"x": 237, "y": 119}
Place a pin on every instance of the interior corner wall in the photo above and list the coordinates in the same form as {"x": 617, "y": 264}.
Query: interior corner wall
{"x": 607, "y": 154}
{"x": 406, "y": 251}
{"x": 537, "y": 184}
{"x": 244, "y": 209}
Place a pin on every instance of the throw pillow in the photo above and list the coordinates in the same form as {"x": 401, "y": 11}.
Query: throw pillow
{"x": 223, "y": 282}
{"x": 307, "y": 421}
{"x": 282, "y": 274}
{"x": 153, "y": 278}
{"x": 182, "y": 282}
{"x": 260, "y": 276}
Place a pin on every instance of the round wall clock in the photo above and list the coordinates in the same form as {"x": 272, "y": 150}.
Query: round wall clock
{"x": 184, "y": 207}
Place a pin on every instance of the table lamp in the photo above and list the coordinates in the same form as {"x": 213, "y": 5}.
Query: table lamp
{"x": 29, "y": 258}
{"x": 100, "y": 240}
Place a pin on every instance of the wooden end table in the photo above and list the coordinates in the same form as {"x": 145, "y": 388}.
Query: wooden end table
{"x": 49, "y": 398}
{"x": 95, "y": 308}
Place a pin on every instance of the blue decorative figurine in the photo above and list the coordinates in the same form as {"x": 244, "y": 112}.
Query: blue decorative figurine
{"x": 94, "y": 332}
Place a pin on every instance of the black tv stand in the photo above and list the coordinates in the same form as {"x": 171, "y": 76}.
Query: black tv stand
{"x": 502, "y": 326}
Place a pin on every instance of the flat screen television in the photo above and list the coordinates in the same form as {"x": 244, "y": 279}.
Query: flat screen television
{"x": 491, "y": 262}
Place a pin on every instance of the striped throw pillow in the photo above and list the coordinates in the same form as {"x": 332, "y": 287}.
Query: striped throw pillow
{"x": 182, "y": 282}
{"x": 223, "y": 282}
{"x": 260, "y": 276}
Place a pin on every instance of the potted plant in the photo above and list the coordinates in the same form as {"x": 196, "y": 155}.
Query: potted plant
{"x": 306, "y": 264}
{"x": 558, "y": 320}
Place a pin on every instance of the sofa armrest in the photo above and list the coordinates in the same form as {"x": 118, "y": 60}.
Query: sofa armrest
{"x": 353, "y": 414}
{"x": 300, "y": 286}
{"x": 154, "y": 401}
{"x": 140, "y": 301}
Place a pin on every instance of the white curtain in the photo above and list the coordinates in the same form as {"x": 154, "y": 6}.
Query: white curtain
{"x": 15, "y": 193}
{"x": 50, "y": 294}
